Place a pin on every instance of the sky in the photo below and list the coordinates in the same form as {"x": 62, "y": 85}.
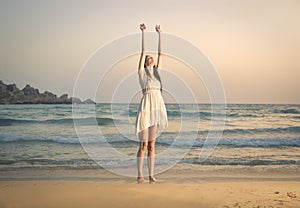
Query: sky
{"x": 253, "y": 46}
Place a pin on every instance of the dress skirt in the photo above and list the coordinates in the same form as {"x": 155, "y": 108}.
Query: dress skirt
{"x": 152, "y": 111}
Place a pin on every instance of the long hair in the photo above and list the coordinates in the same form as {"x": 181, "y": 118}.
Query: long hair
{"x": 155, "y": 73}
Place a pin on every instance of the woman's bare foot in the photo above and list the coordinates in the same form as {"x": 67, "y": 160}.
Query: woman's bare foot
{"x": 140, "y": 180}
{"x": 152, "y": 179}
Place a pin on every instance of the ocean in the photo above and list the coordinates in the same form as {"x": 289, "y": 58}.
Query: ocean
{"x": 41, "y": 136}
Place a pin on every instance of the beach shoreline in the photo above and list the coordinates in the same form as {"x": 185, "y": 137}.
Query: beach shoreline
{"x": 179, "y": 173}
{"x": 177, "y": 187}
{"x": 44, "y": 164}
{"x": 209, "y": 194}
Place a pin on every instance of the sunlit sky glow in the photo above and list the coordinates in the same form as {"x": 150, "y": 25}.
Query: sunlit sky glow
{"x": 253, "y": 44}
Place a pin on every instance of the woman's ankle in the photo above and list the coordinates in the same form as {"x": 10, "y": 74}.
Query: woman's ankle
{"x": 152, "y": 179}
{"x": 140, "y": 179}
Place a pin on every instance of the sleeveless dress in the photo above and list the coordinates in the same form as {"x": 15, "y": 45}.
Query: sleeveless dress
{"x": 152, "y": 109}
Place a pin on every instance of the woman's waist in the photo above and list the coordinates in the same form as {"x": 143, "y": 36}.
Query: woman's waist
{"x": 151, "y": 90}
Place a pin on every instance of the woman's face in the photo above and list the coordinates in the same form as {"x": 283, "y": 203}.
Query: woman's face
{"x": 149, "y": 61}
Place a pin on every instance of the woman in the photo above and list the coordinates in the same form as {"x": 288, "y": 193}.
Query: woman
{"x": 152, "y": 114}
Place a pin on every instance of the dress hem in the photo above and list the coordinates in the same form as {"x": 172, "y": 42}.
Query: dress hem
{"x": 159, "y": 129}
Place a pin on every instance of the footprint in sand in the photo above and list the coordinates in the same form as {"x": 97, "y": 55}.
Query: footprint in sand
{"x": 236, "y": 204}
{"x": 291, "y": 195}
{"x": 280, "y": 202}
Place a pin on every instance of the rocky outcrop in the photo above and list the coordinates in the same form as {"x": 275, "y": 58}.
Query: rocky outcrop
{"x": 88, "y": 101}
{"x": 75, "y": 100}
{"x": 30, "y": 91}
{"x": 10, "y": 94}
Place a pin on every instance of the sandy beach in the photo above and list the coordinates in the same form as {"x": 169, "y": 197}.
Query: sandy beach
{"x": 182, "y": 186}
{"x": 214, "y": 83}
{"x": 43, "y": 164}
{"x": 62, "y": 193}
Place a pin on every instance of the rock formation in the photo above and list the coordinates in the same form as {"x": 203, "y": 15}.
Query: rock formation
{"x": 10, "y": 94}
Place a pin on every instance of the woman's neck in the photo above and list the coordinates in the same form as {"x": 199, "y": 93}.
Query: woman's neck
{"x": 149, "y": 67}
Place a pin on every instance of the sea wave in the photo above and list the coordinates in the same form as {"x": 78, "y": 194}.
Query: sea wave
{"x": 291, "y": 129}
{"x": 209, "y": 115}
{"x": 5, "y": 138}
{"x": 85, "y": 163}
{"x": 80, "y": 121}
{"x": 178, "y": 143}
{"x": 49, "y": 162}
{"x": 232, "y": 143}
{"x": 253, "y": 162}
{"x": 287, "y": 111}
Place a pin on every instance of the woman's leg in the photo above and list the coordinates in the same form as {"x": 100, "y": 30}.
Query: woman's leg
{"x": 143, "y": 136}
{"x": 151, "y": 152}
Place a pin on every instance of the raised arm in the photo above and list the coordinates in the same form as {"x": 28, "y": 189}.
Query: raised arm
{"x": 142, "y": 27}
{"x": 157, "y": 28}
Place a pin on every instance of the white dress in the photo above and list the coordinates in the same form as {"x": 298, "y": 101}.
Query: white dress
{"x": 152, "y": 109}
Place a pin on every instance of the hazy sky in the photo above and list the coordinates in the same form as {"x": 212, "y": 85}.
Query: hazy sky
{"x": 253, "y": 44}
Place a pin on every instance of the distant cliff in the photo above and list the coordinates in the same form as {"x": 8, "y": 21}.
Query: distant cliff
{"x": 10, "y": 94}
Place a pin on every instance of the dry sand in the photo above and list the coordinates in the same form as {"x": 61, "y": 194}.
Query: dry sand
{"x": 63, "y": 193}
